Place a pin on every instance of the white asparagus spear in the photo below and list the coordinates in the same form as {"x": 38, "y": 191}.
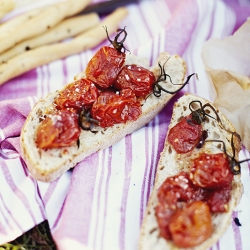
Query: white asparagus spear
{"x": 69, "y": 27}
{"x": 42, "y": 22}
{"x": 46, "y": 54}
{"x": 14, "y": 22}
{"x": 7, "y": 6}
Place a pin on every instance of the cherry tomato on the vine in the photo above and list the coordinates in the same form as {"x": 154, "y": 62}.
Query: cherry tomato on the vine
{"x": 105, "y": 66}
{"x": 185, "y": 135}
{"x": 136, "y": 78}
{"x": 76, "y": 95}
{"x": 211, "y": 171}
{"x": 112, "y": 108}
{"x": 57, "y": 130}
{"x": 191, "y": 225}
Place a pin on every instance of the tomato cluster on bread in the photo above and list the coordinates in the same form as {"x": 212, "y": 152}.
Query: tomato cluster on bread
{"x": 187, "y": 201}
{"x": 109, "y": 94}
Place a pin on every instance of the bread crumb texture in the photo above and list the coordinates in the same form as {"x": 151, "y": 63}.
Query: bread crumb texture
{"x": 171, "y": 163}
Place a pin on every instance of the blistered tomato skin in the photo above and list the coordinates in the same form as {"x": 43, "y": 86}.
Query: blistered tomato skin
{"x": 113, "y": 108}
{"x": 140, "y": 80}
{"x": 187, "y": 200}
{"x": 164, "y": 213}
{"x": 172, "y": 193}
{"x": 191, "y": 225}
{"x": 82, "y": 93}
{"x": 105, "y": 66}
{"x": 57, "y": 130}
{"x": 211, "y": 171}
{"x": 179, "y": 188}
{"x": 185, "y": 135}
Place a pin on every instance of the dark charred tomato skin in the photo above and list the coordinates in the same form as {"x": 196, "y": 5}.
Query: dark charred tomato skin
{"x": 140, "y": 80}
{"x": 217, "y": 199}
{"x": 105, "y": 66}
{"x": 82, "y": 93}
{"x": 191, "y": 225}
{"x": 211, "y": 171}
{"x": 185, "y": 135}
{"x": 112, "y": 108}
{"x": 57, "y": 130}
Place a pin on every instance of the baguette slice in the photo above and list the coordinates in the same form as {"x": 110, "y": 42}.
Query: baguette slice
{"x": 47, "y": 165}
{"x": 171, "y": 163}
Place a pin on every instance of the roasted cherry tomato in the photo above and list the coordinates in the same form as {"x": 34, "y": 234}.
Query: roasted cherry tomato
{"x": 172, "y": 193}
{"x": 77, "y": 95}
{"x": 191, "y": 225}
{"x": 136, "y": 78}
{"x": 57, "y": 130}
{"x": 217, "y": 199}
{"x": 185, "y": 135}
{"x": 105, "y": 66}
{"x": 179, "y": 188}
{"x": 211, "y": 171}
{"x": 164, "y": 213}
{"x": 112, "y": 108}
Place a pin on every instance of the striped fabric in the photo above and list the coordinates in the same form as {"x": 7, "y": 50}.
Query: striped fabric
{"x": 100, "y": 203}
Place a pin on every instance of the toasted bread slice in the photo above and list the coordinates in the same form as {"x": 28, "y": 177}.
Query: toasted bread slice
{"x": 47, "y": 165}
{"x": 171, "y": 163}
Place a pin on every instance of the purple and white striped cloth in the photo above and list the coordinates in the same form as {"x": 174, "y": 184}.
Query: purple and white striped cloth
{"x": 100, "y": 204}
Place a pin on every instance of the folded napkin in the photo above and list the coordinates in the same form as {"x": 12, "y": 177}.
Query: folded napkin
{"x": 100, "y": 203}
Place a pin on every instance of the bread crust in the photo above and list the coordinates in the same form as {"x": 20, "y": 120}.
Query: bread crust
{"x": 47, "y": 165}
{"x": 171, "y": 163}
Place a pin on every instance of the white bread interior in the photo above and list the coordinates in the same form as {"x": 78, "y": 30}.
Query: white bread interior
{"x": 48, "y": 165}
{"x": 171, "y": 163}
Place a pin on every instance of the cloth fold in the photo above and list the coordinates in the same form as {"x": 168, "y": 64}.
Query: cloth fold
{"x": 101, "y": 202}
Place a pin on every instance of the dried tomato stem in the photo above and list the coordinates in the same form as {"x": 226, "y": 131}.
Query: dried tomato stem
{"x": 200, "y": 113}
{"x": 85, "y": 121}
{"x": 118, "y": 45}
{"x": 158, "y": 88}
{"x": 234, "y": 164}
